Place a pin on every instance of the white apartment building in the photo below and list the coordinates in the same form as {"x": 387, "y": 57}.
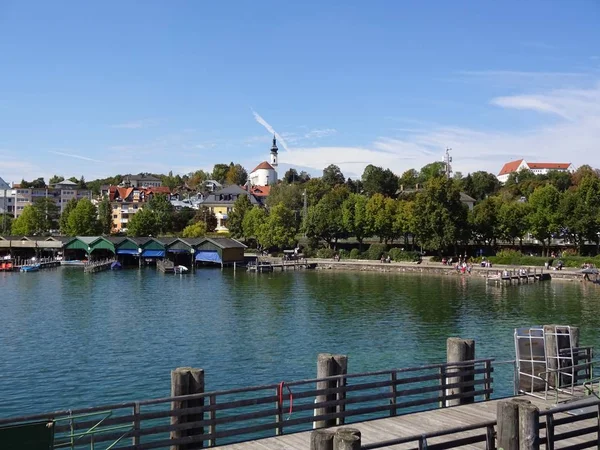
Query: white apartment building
{"x": 60, "y": 193}
{"x": 536, "y": 168}
{"x": 7, "y": 198}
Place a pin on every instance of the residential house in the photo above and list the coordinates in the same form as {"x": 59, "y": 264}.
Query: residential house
{"x": 221, "y": 203}
{"x": 127, "y": 201}
{"x": 7, "y": 198}
{"x": 138, "y": 181}
{"x": 60, "y": 193}
{"x": 536, "y": 168}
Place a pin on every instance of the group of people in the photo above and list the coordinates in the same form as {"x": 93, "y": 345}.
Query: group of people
{"x": 485, "y": 262}
{"x": 463, "y": 267}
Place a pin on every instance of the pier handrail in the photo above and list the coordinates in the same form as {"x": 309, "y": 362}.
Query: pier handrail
{"x": 558, "y": 371}
{"x": 237, "y": 414}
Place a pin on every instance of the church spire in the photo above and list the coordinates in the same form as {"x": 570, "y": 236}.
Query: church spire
{"x": 274, "y": 151}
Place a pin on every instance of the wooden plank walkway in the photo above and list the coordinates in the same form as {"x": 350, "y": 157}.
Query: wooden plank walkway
{"x": 380, "y": 430}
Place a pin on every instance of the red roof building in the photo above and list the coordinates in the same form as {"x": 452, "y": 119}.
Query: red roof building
{"x": 537, "y": 168}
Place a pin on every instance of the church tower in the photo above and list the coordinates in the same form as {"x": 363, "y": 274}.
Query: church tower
{"x": 274, "y": 151}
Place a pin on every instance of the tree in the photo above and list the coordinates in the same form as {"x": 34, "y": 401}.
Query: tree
{"x": 583, "y": 172}
{"x": 580, "y": 212}
{"x": 64, "y": 217}
{"x": 355, "y": 186}
{"x": 171, "y": 181}
{"x": 291, "y": 176}
{"x": 376, "y": 180}
{"x": 380, "y": 213}
{"x": 208, "y": 217}
{"x": 512, "y": 220}
{"x": 409, "y": 179}
{"x": 484, "y": 220}
{"x": 83, "y": 219}
{"x": 560, "y": 180}
{"x": 544, "y": 216}
{"x": 162, "y": 208}
{"x": 27, "y": 224}
{"x": 105, "y": 216}
{"x": 182, "y": 218}
{"x": 56, "y": 179}
{"x": 236, "y": 174}
{"x": 279, "y": 228}
{"x": 194, "y": 230}
{"x": 288, "y": 194}
{"x": 354, "y": 217}
{"x": 439, "y": 217}
{"x": 324, "y": 219}
{"x": 303, "y": 177}
{"x": 253, "y": 221}
{"x": 403, "y": 219}
{"x": 432, "y": 170}
{"x": 81, "y": 184}
{"x": 6, "y": 221}
{"x": 235, "y": 219}
{"x": 315, "y": 189}
{"x": 48, "y": 214}
{"x": 480, "y": 185}
{"x": 38, "y": 183}
{"x": 198, "y": 178}
{"x": 74, "y": 180}
{"x": 219, "y": 172}
{"x": 332, "y": 175}
{"x": 143, "y": 223}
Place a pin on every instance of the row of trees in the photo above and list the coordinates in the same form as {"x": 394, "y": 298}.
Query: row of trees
{"x": 79, "y": 217}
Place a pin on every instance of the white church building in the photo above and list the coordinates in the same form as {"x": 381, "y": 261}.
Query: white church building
{"x": 265, "y": 174}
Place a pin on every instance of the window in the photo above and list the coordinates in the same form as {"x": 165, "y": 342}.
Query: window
{"x": 114, "y": 216}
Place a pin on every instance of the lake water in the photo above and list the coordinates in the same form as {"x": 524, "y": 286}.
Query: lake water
{"x": 71, "y": 340}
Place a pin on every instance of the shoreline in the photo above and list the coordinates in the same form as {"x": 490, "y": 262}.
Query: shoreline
{"x": 436, "y": 268}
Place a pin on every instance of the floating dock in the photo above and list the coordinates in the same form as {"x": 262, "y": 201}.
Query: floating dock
{"x": 265, "y": 266}
{"x": 98, "y": 266}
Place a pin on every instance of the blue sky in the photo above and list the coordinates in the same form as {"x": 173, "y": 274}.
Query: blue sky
{"x": 110, "y": 87}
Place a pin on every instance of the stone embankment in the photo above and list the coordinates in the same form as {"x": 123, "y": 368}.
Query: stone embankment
{"x": 438, "y": 268}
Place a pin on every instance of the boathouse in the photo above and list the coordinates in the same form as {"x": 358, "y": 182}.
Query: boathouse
{"x": 222, "y": 251}
{"x": 89, "y": 247}
{"x": 29, "y": 246}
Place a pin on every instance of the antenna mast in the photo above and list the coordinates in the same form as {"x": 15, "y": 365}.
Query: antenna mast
{"x": 447, "y": 161}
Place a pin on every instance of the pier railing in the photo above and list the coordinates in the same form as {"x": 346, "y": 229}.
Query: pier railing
{"x": 237, "y": 415}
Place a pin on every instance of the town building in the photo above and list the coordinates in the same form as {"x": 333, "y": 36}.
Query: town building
{"x": 265, "y": 174}
{"x": 127, "y": 201}
{"x": 221, "y": 203}
{"x": 7, "y": 198}
{"x": 61, "y": 193}
{"x": 536, "y": 168}
{"x": 137, "y": 181}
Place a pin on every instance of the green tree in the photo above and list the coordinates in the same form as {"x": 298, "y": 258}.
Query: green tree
{"x": 580, "y": 212}
{"x": 28, "y": 223}
{"x": 544, "y": 216}
{"x": 484, "y": 221}
{"x": 481, "y": 185}
{"x": 439, "y": 217}
{"x": 143, "y": 223}
{"x": 403, "y": 219}
{"x": 204, "y": 214}
{"x": 513, "y": 221}
{"x": 198, "y": 178}
{"x": 83, "y": 219}
{"x": 432, "y": 170}
{"x": 219, "y": 172}
{"x": 236, "y": 174}
{"x": 315, "y": 189}
{"x": 64, "y": 217}
{"x": 381, "y": 212}
{"x": 105, "y": 216}
{"x": 288, "y": 194}
{"x": 291, "y": 176}
{"x": 194, "y": 230}
{"x": 163, "y": 210}
{"x": 279, "y": 228}
{"x": 377, "y": 180}
{"x": 354, "y": 217}
{"x": 182, "y": 218}
{"x": 332, "y": 175}
{"x": 582, "y": 172}
{"x": 38, "y": 183}
{"x": 253, "y": 221}
{"x": 6, "y": 221}
{"x": 409, "y": 179}
{"x": 560, "y": 180}
{"x": 48, "y": 214}
{"x": 235, "y": 219}
{"x": 324, "y": 219}
{"x": 56, "y": 179}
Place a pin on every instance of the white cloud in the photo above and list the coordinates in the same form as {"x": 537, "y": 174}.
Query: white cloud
{"x": 572, "y": 136}
{"x": 320, "y": 133}
{"x": 137, "y": 124}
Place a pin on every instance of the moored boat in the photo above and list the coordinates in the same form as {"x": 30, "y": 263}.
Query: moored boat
{"x": 30, "y": 268}
{"x": 180, "y": 269}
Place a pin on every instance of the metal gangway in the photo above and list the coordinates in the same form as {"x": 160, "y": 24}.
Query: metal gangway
{"x": 550, "y": 362}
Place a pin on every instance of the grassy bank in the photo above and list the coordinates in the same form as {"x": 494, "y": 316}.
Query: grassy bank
{"x": 518, "y": 259}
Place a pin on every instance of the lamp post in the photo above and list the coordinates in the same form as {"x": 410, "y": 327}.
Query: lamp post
{"x": 192, "y": 251}
{"x": 140, "y": 257}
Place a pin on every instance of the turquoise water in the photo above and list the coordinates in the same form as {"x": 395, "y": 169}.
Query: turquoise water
{"x": 70, "y": 340}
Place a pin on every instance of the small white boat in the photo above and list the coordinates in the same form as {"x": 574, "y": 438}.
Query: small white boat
{"x": 180, "y": 269}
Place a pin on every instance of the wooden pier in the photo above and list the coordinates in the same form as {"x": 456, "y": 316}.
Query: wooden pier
{"x": 15, "y": 265}
{"x": 268, "y": 266}
{"x": 98, "y": 266}
{"x": 165, "y": 266}
{"x": 517, "y": 276}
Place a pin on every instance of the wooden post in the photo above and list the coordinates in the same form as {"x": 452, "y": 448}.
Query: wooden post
{"x": 186, "y": 381}
{"x": 329, "y": 365}
{"x": 347, "y": 439}
{"x": 507, "y": 428}
{"x": 321, "y": 440}
{"x": 529, "y": 427}
{"x": 459, "y": 350}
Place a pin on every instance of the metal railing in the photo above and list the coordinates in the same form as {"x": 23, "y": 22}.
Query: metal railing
{"x": 238, "y": 415}
{"x": 587, "y": 419}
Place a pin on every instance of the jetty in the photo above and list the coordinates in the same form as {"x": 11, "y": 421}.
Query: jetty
{"x": 165, "y": 266}
{"x": 98, "y": 266}
{"x": 555, "y": 404}
{"x": 517, "y": 276}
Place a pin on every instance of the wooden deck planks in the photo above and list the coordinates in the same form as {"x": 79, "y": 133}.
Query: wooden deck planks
{"x": 379, "y": 430}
